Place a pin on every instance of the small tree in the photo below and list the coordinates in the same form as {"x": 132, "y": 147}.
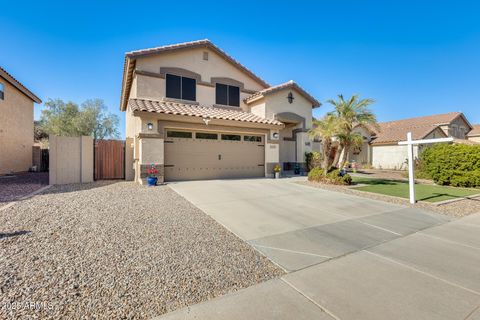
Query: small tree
{"x": 325, "y": 128}
{"x": 94, "y": 120}
{"x": 58, "y": 118}
{"x": 67, "y": 119}
{"x": 349, "y": 114}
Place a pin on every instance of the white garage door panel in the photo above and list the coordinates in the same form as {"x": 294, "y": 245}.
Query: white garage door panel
{"x": 196, "y": 159}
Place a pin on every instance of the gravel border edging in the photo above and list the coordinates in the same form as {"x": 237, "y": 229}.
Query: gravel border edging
{"x": 12, "y": 203}
{"x": 456, "y": 209}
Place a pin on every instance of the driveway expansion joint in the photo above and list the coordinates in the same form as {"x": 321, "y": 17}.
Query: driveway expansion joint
{"x": 311, "y": 300}
{"x": 423, "y": 272}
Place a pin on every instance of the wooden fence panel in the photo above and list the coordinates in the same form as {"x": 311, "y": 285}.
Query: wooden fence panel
{"x": 109, "y": 159}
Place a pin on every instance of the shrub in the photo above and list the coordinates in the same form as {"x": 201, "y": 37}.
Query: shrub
{"x": 457, "y": 165}
{"x": 347, "y": 179}
{"x": 313, "y": 160}
{"x": 316, "y": 174}
{"x": 332, "y": 177}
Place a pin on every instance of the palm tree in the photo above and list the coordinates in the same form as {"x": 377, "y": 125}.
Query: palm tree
{"x": 349, "y": 114}
{"x": 325, "y": 128}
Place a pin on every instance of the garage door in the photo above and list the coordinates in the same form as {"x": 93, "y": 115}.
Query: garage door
{"x": 203, "y": 155}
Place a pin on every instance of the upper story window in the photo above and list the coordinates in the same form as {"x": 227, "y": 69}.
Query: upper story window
{"x": 181, "y": 87}
{"x": 2, "y": 91}
{"x": 227, "y": 95}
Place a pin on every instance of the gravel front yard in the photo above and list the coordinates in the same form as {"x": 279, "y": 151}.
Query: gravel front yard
{"x": 117, "y": 250}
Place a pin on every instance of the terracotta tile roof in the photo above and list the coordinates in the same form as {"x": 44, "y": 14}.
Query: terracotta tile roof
{"x": 191, "y": 110}
{"x": 475, "y": 131}
{"x": 131, "y": 56}
{"x": 394, "y": 131}
{"x": 14, "y": 82}
{"x": 290, "y": 84}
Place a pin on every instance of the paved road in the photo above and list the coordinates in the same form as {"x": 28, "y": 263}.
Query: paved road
{"x": 347, "y": 257}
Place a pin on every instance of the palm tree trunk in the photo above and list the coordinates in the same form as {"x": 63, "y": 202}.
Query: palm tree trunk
{"x": 337, "y": 156}
{"x": 327, "y": 149}
{"x": 346, "y": 150}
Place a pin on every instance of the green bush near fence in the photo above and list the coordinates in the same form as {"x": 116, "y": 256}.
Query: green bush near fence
{"x": 456, "y": 165}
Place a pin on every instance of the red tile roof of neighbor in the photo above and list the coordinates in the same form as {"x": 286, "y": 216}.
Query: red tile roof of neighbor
{"x": 174, "y": 108}
{"x": 290, "y": 84}
{"x": 14, "y": 82}
{"x": 395, "y": 131}
{"x": 475, "y": 132}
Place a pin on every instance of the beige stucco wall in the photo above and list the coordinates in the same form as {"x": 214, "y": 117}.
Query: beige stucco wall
{"x": 277, "y": 103}
{"x": 151, "y": 151}
{"x": 16, "y": 130}
{"x": 391, "y": 156}
{"x": 192, "y": 60}
{"x": 129, "y": 159}
{"x": 458, "y": 128}
{"x": 70, "y": 160}
{"x": 364, "y": 156}
{"x": 474, "y": 139}
{"x": 258, "y": 108}
{"x": 394, "y": 156}
{"x": 132, "y": 124}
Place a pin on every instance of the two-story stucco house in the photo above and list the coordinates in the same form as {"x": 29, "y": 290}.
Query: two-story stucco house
{"x": 16, "y": 124}
{"x": 196, "y": 113}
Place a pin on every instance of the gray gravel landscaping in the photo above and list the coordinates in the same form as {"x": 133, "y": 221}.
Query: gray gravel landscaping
{"x": 117, "y": 250}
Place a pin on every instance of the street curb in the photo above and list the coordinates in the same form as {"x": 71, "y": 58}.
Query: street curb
{"x": 473, "y": 196}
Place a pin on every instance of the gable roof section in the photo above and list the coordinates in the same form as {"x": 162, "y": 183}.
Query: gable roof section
{"x": 191, "y": 110}
{"x": 287, "y": 85}
{"x": 14, "y": 82}
{"x": 130, "y": 58}
{"x": 475, "y": 131}
{"x": 420, "y": 127}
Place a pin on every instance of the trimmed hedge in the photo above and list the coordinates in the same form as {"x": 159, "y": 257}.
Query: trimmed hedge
{"x": 457, "y": 165}
{"x": 332, "y": 177}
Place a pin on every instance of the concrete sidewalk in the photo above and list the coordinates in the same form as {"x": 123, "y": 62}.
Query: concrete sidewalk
{"x": 383, "y": 262}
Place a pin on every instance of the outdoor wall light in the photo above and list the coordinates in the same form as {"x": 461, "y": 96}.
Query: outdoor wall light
{"x": 275, "y": 135}
{"x": 150, "y": 126}
{"x": 290, "y": 97}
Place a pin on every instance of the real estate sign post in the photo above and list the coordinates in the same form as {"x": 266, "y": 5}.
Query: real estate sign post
{"x": 410, "y": 143}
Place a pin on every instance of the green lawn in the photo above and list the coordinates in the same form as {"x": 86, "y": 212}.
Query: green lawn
{"x": 423, "y": 192}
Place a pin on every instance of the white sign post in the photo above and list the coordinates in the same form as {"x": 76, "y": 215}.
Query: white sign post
{"x": 410, "y": 143}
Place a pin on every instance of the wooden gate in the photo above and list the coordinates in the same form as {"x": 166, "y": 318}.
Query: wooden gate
{"x": 109, "y": 159}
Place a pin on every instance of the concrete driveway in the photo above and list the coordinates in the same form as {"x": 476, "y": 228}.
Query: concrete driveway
{"x": 347, "y": 257}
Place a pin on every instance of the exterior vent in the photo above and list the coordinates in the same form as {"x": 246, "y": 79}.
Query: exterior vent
{"x": 205, "y": 55}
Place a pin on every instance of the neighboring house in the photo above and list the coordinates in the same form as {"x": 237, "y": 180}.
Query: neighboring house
{"x": 474, "y": 135}
{"x": 196, "y": 113}
{"x": 381, "y": 149}
{"x": 16, "y": 124}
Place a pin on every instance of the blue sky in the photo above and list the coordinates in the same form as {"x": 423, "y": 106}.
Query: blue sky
{"x": 414, "y": 58}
